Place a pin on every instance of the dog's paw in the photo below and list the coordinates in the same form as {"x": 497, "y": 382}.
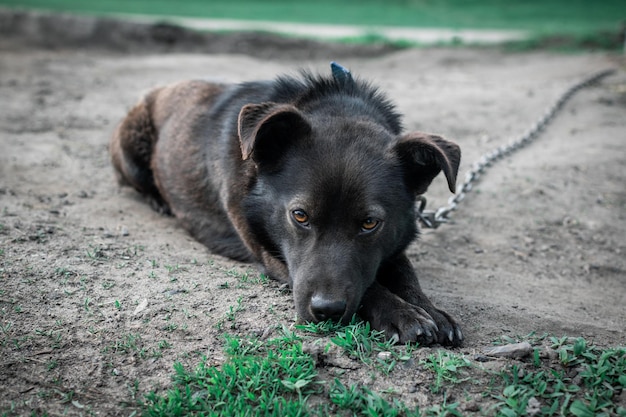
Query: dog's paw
{"x": 405, "y": 323}
{"x": 408, "y": 324}
{"x": 448, "y": 331}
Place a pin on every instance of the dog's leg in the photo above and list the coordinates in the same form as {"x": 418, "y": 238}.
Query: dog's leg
{"x": 131, "y": 150}
{"x": 396, "y": 304}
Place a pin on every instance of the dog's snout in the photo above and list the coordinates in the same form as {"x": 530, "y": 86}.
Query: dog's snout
{"x": 325, "y": 309}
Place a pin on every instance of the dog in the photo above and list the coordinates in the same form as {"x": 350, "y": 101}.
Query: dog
{"x": 309, "y": 176}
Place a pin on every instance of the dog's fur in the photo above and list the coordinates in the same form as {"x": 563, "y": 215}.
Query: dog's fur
{"x": 309, "y": 176}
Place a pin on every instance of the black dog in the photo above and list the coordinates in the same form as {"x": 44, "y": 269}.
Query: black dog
{"x": 309, "y": 176}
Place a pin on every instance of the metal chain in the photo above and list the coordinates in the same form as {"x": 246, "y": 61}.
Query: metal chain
{"x": 434, "y": 218}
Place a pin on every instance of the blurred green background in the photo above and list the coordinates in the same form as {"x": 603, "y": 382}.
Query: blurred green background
{"x": 540, "y": 17}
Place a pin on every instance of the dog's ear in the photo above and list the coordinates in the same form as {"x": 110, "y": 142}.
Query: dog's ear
{"x": 266, "y": 130}
{"x": 424, "y": 155}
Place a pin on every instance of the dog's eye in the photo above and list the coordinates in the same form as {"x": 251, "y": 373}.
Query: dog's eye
{"x": 370, "y": 224}
{"x": 300, "y": 216}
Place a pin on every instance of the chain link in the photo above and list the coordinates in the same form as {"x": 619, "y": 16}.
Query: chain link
{"x": 434, "y": 218}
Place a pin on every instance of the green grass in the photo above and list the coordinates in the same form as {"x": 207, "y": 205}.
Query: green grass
{"x": 271, "y": 378}
{"x": 277, "y": 378}
{"x": 537, "y": 16}
{"x": 599, "y": 40}
{"x": 362, "y": 343}
{"x": 361, "y": 401}
{"x": 585, "y": 383}
{"x": 446, "y": 366}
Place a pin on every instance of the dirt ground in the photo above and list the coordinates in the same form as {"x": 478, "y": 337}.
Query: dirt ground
{"x": 90, "y": 275}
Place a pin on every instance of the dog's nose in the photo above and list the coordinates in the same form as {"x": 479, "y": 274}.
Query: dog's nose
{"x": 325, "y": 309}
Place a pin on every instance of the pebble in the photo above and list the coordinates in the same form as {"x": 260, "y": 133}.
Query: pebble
{"x": 534, "y": 407}
{"x": 141, "y": 306}
{"x": 384, "y": 355}
{"x": 513, "y": 350}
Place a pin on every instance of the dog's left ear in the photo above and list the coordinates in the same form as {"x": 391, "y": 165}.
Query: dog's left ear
{"x": 267, "y": 130}
{"x": 424, "y": 155}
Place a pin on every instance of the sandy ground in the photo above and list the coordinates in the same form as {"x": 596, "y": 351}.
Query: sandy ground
{"x": 89, "y": 275}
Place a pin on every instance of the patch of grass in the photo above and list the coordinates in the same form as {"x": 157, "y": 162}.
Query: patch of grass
{"x": 553, "y": 24}
{"x": 172, "y": 269}
{"x": 375, "y": 38}
{"x": 188, "y": 314}
{"x": 362, "y": 343}
{"x": 274, "y": 379}
{"x": 585, "y": 384}
{"x": 51, "y": 364}
{"x": 231, "y": 314}
{"x": 607, "y": 40}
{"x": 5, "y": 333}
{"x": 447, "y": 367}
{"x": 359, "y": 341}
{"x": 157, "y": 352}
{"x": 541, "y": 16}
{"x": 170, "y": 327}
{"x": 233, "y": 310}
{"x": 55, "y": 337}
{"x": 246, "y": 277}
{"x": 131, "y": 344}
{"x": 96, "y": 252}
{"x": 361, "y": 401}
{"x": 131, "y": 252}
{"x": 444, "y": 409}
{"x": 271, "y": 378}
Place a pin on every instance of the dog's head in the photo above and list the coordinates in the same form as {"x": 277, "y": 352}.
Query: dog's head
{"x": 332, "y": 196}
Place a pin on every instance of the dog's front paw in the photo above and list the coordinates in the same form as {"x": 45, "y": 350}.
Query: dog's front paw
{"x": 405, "y": 322}
{"x": 448, "y": 331}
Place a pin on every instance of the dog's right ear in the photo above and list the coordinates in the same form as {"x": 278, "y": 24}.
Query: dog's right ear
{"x": 267, "y": 130}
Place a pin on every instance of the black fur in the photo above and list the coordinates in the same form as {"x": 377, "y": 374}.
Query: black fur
{"x": 309, "y": 176}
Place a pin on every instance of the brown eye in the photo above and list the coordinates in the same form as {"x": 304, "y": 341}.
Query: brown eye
{"x": 300, "y": 216}
{"x": 369, "y": 224}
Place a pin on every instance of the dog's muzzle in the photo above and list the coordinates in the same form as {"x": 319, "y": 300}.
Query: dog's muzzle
{"x": 324, "y": 309}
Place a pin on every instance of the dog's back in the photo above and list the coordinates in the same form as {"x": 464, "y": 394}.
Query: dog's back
{"x": 167, "y": 150}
